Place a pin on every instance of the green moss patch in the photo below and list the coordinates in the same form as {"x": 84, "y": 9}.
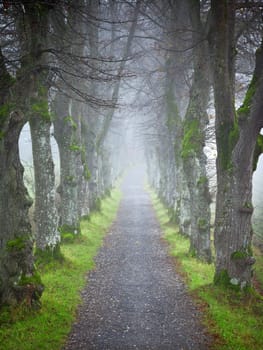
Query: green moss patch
{"x": 69, "y": 231}
{"x": 87, "y": 173}
{"x": 202, "y": 181}
{"x": 239, "y": 255}
{"x": 5, "y": 110}
{"x": 40, "y": 108}
{"x": 75, "y": 147}
{"x": 244, "y": 109}
{"x": 227, "y": 137}
{"x": 70, "y": 121}
{"x": 48, "y": 255}
{"x": 39, "y": 104}
{"x": 192, "y": 140}
{"x": 30, "y": 279}
{"x": 17, "y": 244}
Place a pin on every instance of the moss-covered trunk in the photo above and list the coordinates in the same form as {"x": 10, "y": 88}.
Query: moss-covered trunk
{"x": 236, "y": 136}
{"x": 19, "y": 281}
{"x": 45, "y": 213}
{"x": 193, "y": 142}
{"x": 89, "y": 128}
{"x": 176, "y": 97}
{"x": 67, "y": 136}
{"x": 16, "y": 241}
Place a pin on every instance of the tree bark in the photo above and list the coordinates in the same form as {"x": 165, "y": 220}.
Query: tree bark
{"x": 45, "y": 212}
{"x": 91, "y": 121}
{"x": 236, "y": 136}
{"x": 19, "y": 281}
{"x": 68, "y": 114}
{"x": 193, "y": 142}
{"x": 66, "y": 134}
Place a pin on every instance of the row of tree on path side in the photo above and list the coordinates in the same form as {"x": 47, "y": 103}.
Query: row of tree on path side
{"x": 213, "y": 60}
{"x": 61, "y": 66}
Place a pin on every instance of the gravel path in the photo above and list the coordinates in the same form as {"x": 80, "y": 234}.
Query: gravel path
{"x": 134, "y": 298}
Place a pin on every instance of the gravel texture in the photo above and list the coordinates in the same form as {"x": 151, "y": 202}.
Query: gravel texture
{"x": 134, "y": 298}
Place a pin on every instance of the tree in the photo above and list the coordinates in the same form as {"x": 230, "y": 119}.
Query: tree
{"x": 68, "y": 44}
{"x": 194, "y": 159}
{"x": 19, "y": 281}
{"x": 36, "y": 19}
{"x": 236, "y": 137}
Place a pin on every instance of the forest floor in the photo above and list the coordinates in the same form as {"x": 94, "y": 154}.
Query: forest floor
{"x": 134, "y": 298}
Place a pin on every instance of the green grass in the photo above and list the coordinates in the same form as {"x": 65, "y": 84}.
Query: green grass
{"x": 48, "y": 328}
{"x": 235, "y": 319}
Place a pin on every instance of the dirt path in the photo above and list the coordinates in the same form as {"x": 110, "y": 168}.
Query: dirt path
{"x": 134, "y": 299}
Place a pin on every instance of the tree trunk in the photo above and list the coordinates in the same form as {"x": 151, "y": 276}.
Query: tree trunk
{"x": 19, "y": 281}
{"x": 194, "y": 159}
{"x": 180, "y": 202}
{"x": 91, "y": 158}
{"x": 236, "y": 138}
{"x": 45, "y": 212}
{"x": 176, "y": 97}
{"x": 68, "y": 117}
{"x": 66, "y": 134}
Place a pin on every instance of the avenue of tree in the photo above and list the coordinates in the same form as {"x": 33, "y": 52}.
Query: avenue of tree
{"x": 179, "y": 75}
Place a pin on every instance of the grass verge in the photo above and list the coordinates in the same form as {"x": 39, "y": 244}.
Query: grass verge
{"x": 47, "y": 329}
{"x": 235, "y": 319}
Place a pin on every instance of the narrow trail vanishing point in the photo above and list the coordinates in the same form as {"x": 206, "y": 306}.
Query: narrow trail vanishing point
{"x": 134, "y": 298}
